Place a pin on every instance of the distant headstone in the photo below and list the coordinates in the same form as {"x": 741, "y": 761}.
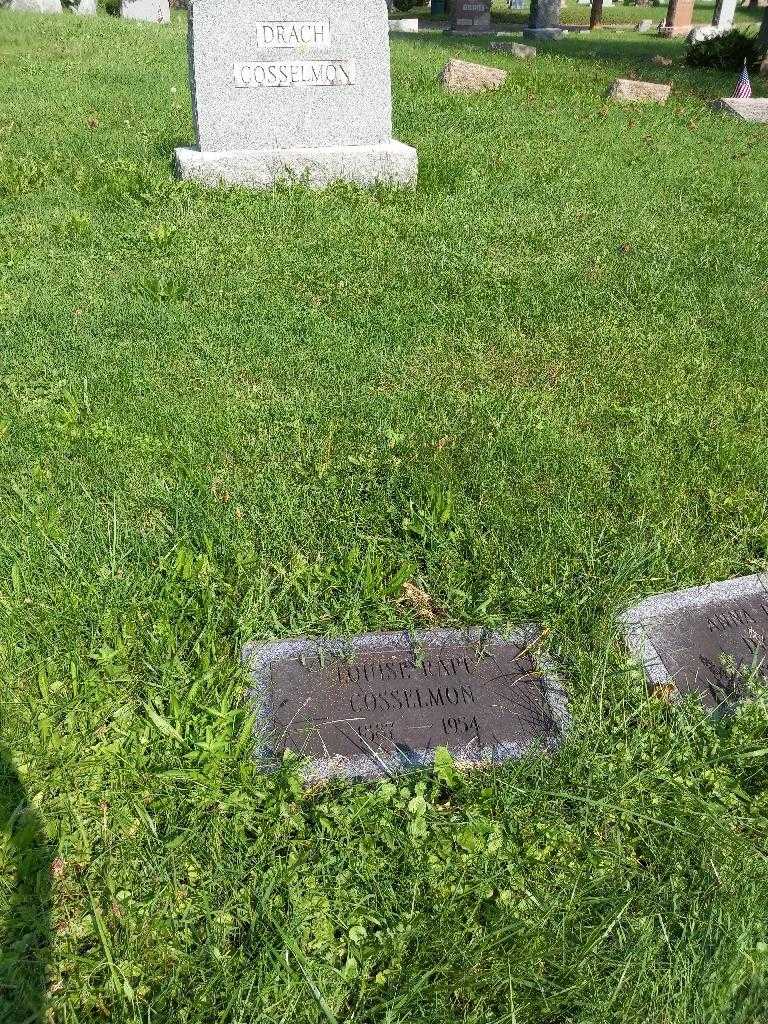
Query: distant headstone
{"x": 725, "y": 12}
{"x": 471, "y": 17}
{"x": 158, "y": 11}
{"x": 679, "y": 20}
{"x": 628, "y": 90}
{"x": 516, "y": 5}
{"x": 366, "y": 707}
{"x": 544, "y": 21}
{"x": 85, "y": 8}
{"x": 748, "y": 110}
{"x": 404, "y": 25}
{"x": 647, "y": 25}
{"x": 292, "y": 89}
{"x": 706, "y": 641}
{"x": 36, "y": 6}
{"x": 462, "y": 76}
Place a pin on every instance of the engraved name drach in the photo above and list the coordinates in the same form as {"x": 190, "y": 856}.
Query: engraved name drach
{"x": 290, "y": 35}
{"x": 376, "y": 703}
{"x": 711, "y": 641}
{"x": 294, "y": 73}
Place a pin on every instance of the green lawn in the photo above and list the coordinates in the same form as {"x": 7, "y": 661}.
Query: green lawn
{"x": 619, "y": 14}
{"x": 536, "y": 385}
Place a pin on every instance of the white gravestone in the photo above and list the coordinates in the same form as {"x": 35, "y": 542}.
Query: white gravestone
{"x": 37, "y": 6}
{"x": 292, "y": 88}
{"x": 146, "y": 10}
{"x": 725, "y": 12}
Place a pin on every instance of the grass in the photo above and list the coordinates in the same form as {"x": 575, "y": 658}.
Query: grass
{"x": 536, "y": 383}
{"x": 619, "y": 14}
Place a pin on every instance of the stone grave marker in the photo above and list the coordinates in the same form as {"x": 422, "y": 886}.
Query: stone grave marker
{"x": 158, "y": 11}
{"x": 292, "y": 88}
{"x": 630, "y": 90}
{"x": 36, "y": 6}
{"x": 371, "y": 705}
{"x": 705, "y": 640}
{"x": 724, "y": 14}
{"x": 471, "y": 17}
{"x": 544, "y": 21}
{"x": 404, "y": 25}
{"x": 755, "y": 109}
{"x": 679, "y": 20}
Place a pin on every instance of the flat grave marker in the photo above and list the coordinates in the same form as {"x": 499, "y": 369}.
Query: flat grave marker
{"x": 755, "y": 109}
{"x": 365, "y": 707}
{"x": 705, "y": 640}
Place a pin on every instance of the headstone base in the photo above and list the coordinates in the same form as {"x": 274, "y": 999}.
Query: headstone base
{"x": 389, "y": 163}
{"x": 702, "y": 32}
{"x": 544, "y": 33}
{"x": 671, "y": 31}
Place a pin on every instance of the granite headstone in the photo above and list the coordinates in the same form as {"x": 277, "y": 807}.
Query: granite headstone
{"x": 471, "y": 17}
{"x": 705, "y": 640}
{"x": 368, "y": 706}
{"x": 292, "y": 89}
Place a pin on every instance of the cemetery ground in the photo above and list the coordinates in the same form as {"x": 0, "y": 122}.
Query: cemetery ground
{"x": 534, "y": 388}
{"x": 573, "y": 13}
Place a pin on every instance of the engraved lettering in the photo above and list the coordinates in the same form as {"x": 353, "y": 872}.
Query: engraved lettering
{"x": 288, "y": 35}
{"x": 294, "y": 74}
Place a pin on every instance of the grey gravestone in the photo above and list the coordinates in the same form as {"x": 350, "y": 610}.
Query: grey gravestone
{"x": 365, "y": 707}
{"x": 544, "y": 20}
{"x": 84, "y": 7}
{"x": 146, "y": 10}
{"x": 292, "y": 88}
{"x": 706, "y": 640}
{"x": 471, "y": 17}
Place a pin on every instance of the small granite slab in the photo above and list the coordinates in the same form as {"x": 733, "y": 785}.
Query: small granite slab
{"x": 705, "y": 640}
{"x": 515, "y": 49}
{"x": 628, "y": 90}
{"x": 748, "y": 110}
{"x": 371, "y": 705}
{"x": 461, "y": 76}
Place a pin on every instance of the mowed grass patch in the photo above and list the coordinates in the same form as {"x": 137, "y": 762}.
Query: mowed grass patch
{"x": 533, "y": 386}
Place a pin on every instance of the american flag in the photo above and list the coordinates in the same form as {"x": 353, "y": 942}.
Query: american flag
{"x": 743, "y": 90}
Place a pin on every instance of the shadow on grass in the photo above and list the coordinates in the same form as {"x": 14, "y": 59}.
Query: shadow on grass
{"x": 25, "y": 893}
